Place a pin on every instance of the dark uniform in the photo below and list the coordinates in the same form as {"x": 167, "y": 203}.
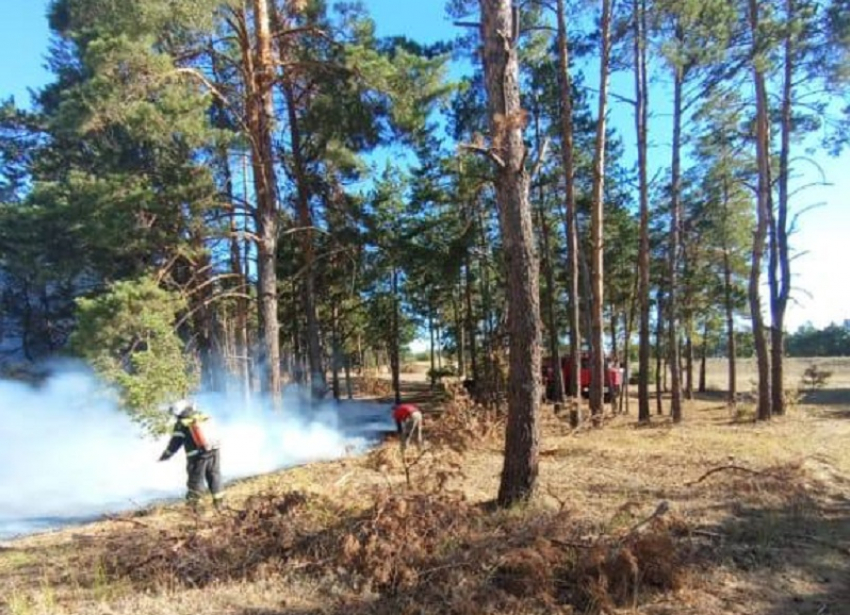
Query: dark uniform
{"x": 202, "y": 461}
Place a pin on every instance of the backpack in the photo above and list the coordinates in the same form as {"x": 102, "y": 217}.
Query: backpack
{"x": 204, "y": 432}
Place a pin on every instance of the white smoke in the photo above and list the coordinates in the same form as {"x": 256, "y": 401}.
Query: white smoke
{"x": 67, "y": 453}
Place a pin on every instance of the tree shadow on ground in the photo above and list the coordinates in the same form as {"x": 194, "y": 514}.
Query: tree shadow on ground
{"x": 795, "y": 554}
{"x": 828, "y": 397}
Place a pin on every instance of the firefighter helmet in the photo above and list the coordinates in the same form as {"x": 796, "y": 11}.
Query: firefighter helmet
{"x": 182, "y": 408}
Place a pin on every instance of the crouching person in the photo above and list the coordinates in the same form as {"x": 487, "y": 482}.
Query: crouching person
{"x": 195, "y": 433}
{"x": 408, "y": 420}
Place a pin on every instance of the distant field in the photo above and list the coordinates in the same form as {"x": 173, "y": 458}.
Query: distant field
{"x": 716, "y": 372}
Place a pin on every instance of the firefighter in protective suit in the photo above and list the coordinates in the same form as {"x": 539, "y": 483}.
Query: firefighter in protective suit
{"x": 194, "y": 431}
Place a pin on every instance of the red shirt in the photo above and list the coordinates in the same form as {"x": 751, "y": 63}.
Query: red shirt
{"x": 403, "y": 411}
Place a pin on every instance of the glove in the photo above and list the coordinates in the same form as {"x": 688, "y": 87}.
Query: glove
{"x": 164, "y": 456}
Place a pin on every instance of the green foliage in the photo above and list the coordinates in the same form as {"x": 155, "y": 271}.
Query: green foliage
{"x": 831, "y": 341}
{"x": 127, "y": 334}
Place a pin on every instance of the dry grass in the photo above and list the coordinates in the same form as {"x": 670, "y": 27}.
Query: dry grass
{"x": 712, "y": 516}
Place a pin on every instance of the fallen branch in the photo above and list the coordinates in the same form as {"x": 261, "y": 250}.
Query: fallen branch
{"x": 724, "y": 469}
{"x": 660, "y": 510}
{"x": 707, "y": 533}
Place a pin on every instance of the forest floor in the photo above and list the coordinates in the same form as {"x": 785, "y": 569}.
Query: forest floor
{"x": 717, "y": 515}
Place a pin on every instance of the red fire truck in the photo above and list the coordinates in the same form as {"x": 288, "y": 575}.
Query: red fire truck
{"x": 613, "y": 377}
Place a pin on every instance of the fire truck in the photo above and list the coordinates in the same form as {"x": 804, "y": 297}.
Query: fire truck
{"x": 613, "y": 377}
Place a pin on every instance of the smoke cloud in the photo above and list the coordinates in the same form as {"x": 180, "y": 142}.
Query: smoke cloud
{"x": 68, "y": 454}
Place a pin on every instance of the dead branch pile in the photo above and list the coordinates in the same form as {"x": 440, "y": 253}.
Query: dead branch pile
{"x": 390, "y": 549}
{"x": 429, "y": 552}
{"x": 463, "y": 423}
{"x": 614, "y": 572}
{"x": 246, "y": 544}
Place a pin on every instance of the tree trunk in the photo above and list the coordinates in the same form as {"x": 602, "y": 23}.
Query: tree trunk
{"x": 780, "y": 266}
{"x": 762, "y": 218}
{"x": 675, "y": 217}
{"x": 597, "y": 378}
{"x": 394, "y": 350}
{"x": 470, "y": 323}
{"x": 432, "y": 375}
{"x": 499, "y": 33}
{"x": 259, "y": 74}
{"x": 628, "y": 325}
{"x": 349, "y": 389}
{"x": 641, "y": 99}
{"x": 318, "y": 386}
{"x": 659, "y": 349}
{"x": 729, "y": 307}
{"x": 615, "y": 355}
{"x": 335, "y": 351}
{"x": 573, "y": 387}
{"x": 261, "y": 115}
{"x": 557, "y": 390}
{"x": 459, "y": 329}
{"x": 689, "y": 363}
{"x": 703, "y": 357}
{"x": 439, "y": 342}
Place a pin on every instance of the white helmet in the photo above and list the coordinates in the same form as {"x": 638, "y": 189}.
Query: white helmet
{"x": 182, "y": 408}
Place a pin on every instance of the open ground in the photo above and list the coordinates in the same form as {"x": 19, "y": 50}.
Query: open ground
{"x": 719, "y": 515}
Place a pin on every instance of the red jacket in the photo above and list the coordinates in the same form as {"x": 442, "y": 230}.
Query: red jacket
{"x": 403, "y": 411}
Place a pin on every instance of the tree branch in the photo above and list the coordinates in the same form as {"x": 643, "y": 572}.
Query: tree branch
{"x": 484, "y": 151}
{"x": 541, "y": 157}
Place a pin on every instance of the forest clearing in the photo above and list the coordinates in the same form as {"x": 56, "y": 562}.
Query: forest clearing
{"x": 718, "y": 515}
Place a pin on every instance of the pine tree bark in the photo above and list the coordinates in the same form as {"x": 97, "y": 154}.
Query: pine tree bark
{"x": 597, "y": 378}
{"x": 395, "y": 350}
{"x": 556, "y": 394}
{"x": 659, "y": 350}
{"x": 673, "y": 264}
{"x": 641, "y": 110}
{"x": 689, "y": 363}
{"x": 703, "y": 358}
{"x": 780, "y": 265}
{"x": 335, "y": 351}
{"x": 261, "y": 116}
{"x": 499, "y": 33}
{"x": 459, "y": 328}
{"x": 471, "y": 334}
{"x": 573, "y": 387}
{"x": 763, "y": 208}
{"x": 729, "y": 308}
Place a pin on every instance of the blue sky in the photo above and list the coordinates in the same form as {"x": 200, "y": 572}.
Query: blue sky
{"x": 821, "y": 280}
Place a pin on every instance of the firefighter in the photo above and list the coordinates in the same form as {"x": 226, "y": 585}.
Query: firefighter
{"x": 194, "y": 431}
{"x": 408, "y": 420}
